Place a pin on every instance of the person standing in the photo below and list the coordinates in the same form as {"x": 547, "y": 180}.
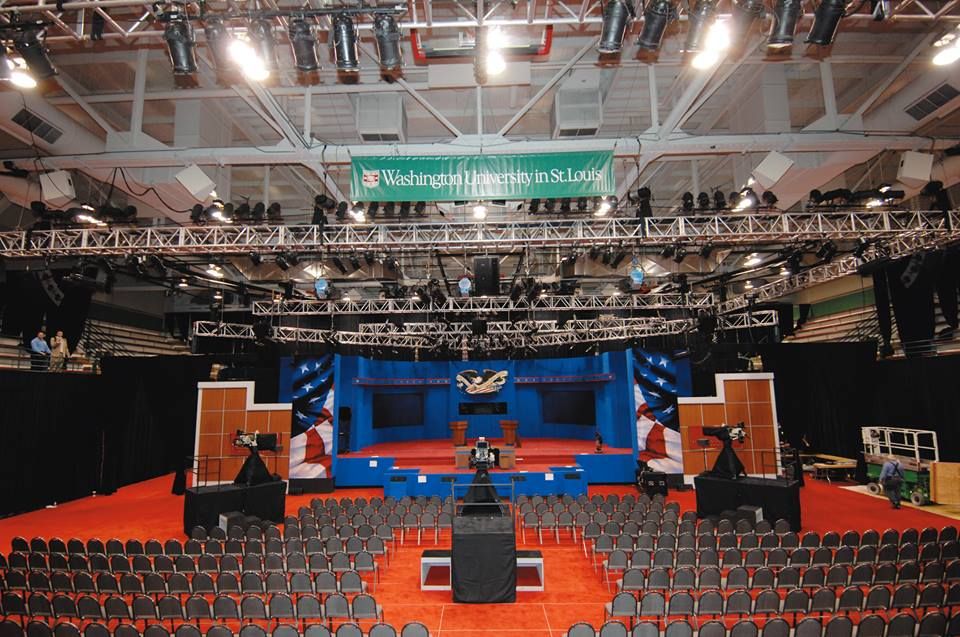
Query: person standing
{"x": 891, "y": 477}
{"x": 40, "y": 352}
{"x": 60, "y": 352}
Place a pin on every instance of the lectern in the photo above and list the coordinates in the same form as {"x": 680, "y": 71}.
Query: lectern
{"x": 509, "y": 428}
{"x": 458, "y": 431}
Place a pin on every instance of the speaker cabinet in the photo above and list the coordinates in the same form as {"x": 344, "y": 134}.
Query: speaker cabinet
{"x": 56, "y": 188}
{"x": 486, "y": 272}
{"x": 914, "y": 169}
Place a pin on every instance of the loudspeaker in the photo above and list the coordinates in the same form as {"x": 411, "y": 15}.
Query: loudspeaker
{"x": 486, "y": 272}
{"x": 343, "y": 430}
{"x": 771, "y": 169}
{"x": 49, "y": 285}
{"x": 653, "y": 483}
{"x": 914, "y": 169}
{"x": 56, "y": 188}
{"x": 196, "y": 182}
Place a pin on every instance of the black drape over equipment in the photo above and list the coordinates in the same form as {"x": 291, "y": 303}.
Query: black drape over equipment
{"x": 484, "y": 560}
{"x": 481, "y": 497}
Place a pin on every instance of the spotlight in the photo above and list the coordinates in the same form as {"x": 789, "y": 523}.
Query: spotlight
{"x": 618, "y": 259}
{"x": 703, "y": 201}
{"x": 275, "y": 213}
{"x": 341, "y": 212}
{"x": 616, "y": 16}
{"x": 786, "y": 14}
{"x": 387, "y": 33}
{"x": 261, "y": 35}
{"x": 668, "y": 251}
{"x": 180, "y": 43}
{"x": 687, "y": 201}
{"x": 29, "y": 44}
{"x": 303, "y": 41}
{"x": 745, "y": 13}
{"x": 248, "y": 61}
{"x": 198, "y": 214}
{"x": 255, "y": 258}
{"x": 218, "y": 41}
{"x": 404, "y": 209}
{"x": 479, "y": 211}
{"x": 420, "y": 208}
{"x": 947, "y": 55}
{"x": 680, "y": 253}
{"x": 769, "y": 199}
{"x": 706, "y": 250}
{"x": 719, "y": 201}
{"x": 15, "y": 70}
{"x": 699, "y": 18}
{"x": 826, "y": 21}
{"x": 372, "y": 208}
{"x": 259, "y": 212}
{"x": 827, "y": 251}
{"x": 345, "y": 44}
{"x": 389, "y": 208}
{"x": 548, "y": 205}
{"x": 861, "y": 248}
{"x": 603, "y": 207}
{"x": 565, "y": 205}
{"x": 582, "y": 204}
{"x": 716, "y": 42}
{"x": 534, "y": 206}
{"x": 747, "y": 199}
{"x": 656, "y": 17}
{"x": 282, "y": 262}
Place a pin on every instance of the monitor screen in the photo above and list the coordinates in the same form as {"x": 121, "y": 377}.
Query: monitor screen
{"x": 397, "y": 410}
{"x": 482, "y": 409}
{"x": 569, "y": 408}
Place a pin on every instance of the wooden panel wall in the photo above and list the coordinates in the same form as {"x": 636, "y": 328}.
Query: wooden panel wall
{"x": 747, "y": 398}
{"x": 223, "y": 408}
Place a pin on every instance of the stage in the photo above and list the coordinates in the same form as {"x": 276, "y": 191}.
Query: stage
{"x": 543, "y": 466}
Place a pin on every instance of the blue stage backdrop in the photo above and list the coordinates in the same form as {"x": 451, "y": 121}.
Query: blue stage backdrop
{"x": 658, "y": 379}
{"x": 629, "y": 397}
{"x": 308, "y": 384}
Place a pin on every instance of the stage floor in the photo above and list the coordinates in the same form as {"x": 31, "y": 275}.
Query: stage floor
{"x": 436, "y": 456}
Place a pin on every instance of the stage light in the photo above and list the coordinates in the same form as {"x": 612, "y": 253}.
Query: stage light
{"x": 706, "y": 250}
{"x": 656, "y": 17}
{"x": 616, "y": 16}
{"x": 215, "y": 271}
{"x": 703, "y": 201}
{"x": 548, "y": 205}
{"x": 582, "y": 204}
{"x": 686, "y": 201}
{"x": 618, "y": 259}
{"x": 29, "y": 44}
{"x": 261, "y": 36}
{"x": 180, "y": 43}
{"x": 218, "y": 295}
{"x": 861, "y": 248}
{"x": 679, "y": 254}
{"x": 786, "y": 14}
{"x": 494, "y": 63}
{"x": 716, "y": 42}
{"x": 218, "y": 41}
{"x": 420, "y": 208}
{"x": 282, "y": 262}
{"x": 345, "y": 44}
{"x": 719, "y": 201}
{"x": 182, "y": 283}
{"x": 753, "y": 259}
{"x": 827, "y": 251}
{"x": 372, "y": 208}
{"x": 247, "y": 60}
{"x": 17, "y": 73}
{"x": 341, "y": 212}
{"x": 387, "y": 34}
{"x": 259, "y": 212}
{"x": 668, "y": 251}
{"x": 603, "y": 207}
{"x": 769, "y": 199}
{"x": 479, "y": 211}
{"x": 534, "y": 206}
{"x": 303, "y": 42}
{"x": 698, "y": 20}
{"x": 826, "y": 21}
{"x": 748, "y": 285}
{"x": 947, "y": 55}
{"x": 747, "y": 199}
{"x": 389, "y": 208}
{"x": 565, "y": 204}
{"x": 255, "y": 258}
{"x": 745, "y": 13}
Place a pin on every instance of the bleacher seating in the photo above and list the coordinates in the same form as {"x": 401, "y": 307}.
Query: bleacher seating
{"x": 110, "y": 339}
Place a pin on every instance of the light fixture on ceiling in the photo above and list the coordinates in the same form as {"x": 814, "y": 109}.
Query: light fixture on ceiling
{"x": 948, "y": 48}
{"x": 656, "y": 17}
{"x": 494, "y": 62}
{"x": 215, "y": 271}
{"x": 387, "y": 34}
{"x": 698, "y": 20}
{"x": 180, "y": 41}
{"x": 786, "y": 14}
{"x": 617, "y": 14}
{"x": 714, "y": 46}
{"x": 479, "y": 211}
{"x": 261, "y": 36}
{"x": 29, "y": 44}
{"x": 753, "y": 259}
{"x": 303, "y": 43}
{"x": 16, "y": 72}
{"x": 345, "y": 44}
{"x": 826, "y": 21}
{"x": 218, "y": 41}
{"x": 745, "y": 13}
{"x": 603, "y": 207}
{"x": 748, "y": 199}
{"x": 248, "y": 61}
{"x": 182, "y": 283}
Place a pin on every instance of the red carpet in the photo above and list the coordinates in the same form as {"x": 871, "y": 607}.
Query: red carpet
{"x": 574, "y": 592}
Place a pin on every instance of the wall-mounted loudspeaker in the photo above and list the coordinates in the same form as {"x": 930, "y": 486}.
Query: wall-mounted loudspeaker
{"x": 486, "y": 271}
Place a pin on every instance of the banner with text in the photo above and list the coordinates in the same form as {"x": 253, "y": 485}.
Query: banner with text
{"x": 482, "y": 177}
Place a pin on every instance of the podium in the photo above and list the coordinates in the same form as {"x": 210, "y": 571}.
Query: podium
{"x": 509, "y": 428}
{"x": 458, "y": 432}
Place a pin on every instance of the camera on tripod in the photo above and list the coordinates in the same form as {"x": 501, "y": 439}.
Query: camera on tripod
{"x": 255, "y": 441}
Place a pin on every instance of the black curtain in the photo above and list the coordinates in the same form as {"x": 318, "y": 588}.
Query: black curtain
{"x": 53, "y": 435}
{"x": 821, "y": 392}
{"x": 917, "y": 393}
{"x": 27, "y": 308}
{"x": 150, "y": 415}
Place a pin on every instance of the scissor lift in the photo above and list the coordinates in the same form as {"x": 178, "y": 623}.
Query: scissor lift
{"x": 915, "y": 448}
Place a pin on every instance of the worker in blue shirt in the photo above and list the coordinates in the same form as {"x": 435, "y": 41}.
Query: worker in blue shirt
{"x": 40, "y": 352}
{"x": 891, "y": 478}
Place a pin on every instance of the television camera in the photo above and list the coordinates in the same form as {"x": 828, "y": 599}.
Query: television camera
{"x": 255, "y": 441}
{"x": 728, "y": 465}
{"x": 254, "y": 470}
{"x": 483, "y": 456}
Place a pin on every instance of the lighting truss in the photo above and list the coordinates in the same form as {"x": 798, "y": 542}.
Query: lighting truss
{"x": 428, "y": 335}
{"x": 475, "y": 305}
{"x": 838, "y": 268}
{"x": 726, "y": 229}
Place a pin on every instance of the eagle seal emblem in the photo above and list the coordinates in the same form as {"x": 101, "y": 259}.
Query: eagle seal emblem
{"x": 474, "y": 383}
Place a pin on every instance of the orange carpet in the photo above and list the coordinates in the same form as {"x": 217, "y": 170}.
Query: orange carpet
{"x": 574, "y": 591}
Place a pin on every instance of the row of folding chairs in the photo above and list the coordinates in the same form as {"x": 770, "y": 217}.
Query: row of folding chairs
{"x": 770, "y": 602}
{"x": 687, "y": 578}
{"x": 362, "y": 557}
{"x": 201, "y": 583}
{"x": 625, "y": 548}
{"x": 195, "y": 608}
{"x": 902, "y": 625}
{"x": 37, "y": 628}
